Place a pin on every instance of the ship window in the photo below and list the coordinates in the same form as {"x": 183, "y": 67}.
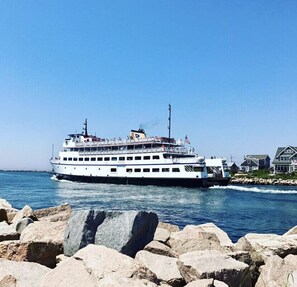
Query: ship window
{"x": 175, "y": 169}
{"x": 75, "y": 158}
{"x": 156, "y": 169}
{"x": 165, "y": 169}
{"x": 156, "y": 157}
{"x": 87, "y": 158}
{"x": 70, "y": 158}
{"x": 129, "y": 170}
{"x": 129, "y": 157}
{"x": 65, "y": 158}
{"x": 198, "y": 169}
{"x": 137, "y": 170}
{"x": 99, "y": 158}
{"x": 146, "y": 157}
{"x": 87, "y": 149}
{"x": 80, "y": 159}
{"x": 93, "y": 158}
{"x": 114, "y": 159}
{"x": 138, "y": 158}
{"x": 121, "y": 158}
{"x": 93, "y": 149}
{"x": 146, "y": 170}
{"x": 113, "y": 170}
{"x": 107, "y": 158}
{"x": 189, "y": 168}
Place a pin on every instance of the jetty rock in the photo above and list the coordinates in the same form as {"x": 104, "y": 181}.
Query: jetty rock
{"x": 278, "y": 272}
{"x": 126, "y": 231}
{"x": 200, "y": 237}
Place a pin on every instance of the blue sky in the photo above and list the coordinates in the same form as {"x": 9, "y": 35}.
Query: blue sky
{"x": 228, "y": 68}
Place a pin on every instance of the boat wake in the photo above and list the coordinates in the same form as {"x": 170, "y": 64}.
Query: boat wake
{"x": 54, "y": 177}
{"x": 262, "y": 189}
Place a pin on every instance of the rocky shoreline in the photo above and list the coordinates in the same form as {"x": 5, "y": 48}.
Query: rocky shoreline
{"x": 60, "y": 247}
{"x": 263, "y": 181}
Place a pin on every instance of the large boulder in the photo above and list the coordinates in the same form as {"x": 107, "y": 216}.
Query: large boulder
{"x": 128, "y": 231}
{"x": 39, "y": 252}
{"x": 214, "y": 264}
{"x": 22, "y": 224}
{"x": 105, "y": 261}
{"x": 27, "y": 211}
{"x": 262, "y": 246}
{"x": 81, "y": 229}
{"x": 8, "y": 232}
{"x": 164, "y": 267}
{"x": 170, "y": 227}
{"x": 195, "y": 238}
{"x": 55, "y": 213}
{"x": 47, "y": 232}
{"x": 4, "y": 204}
{"x": 72, "y": 273}
{"x": 161, "y": 234}
{"x": 24, "y": 274}
{"x": 278, "y": 272}
{"x": 160, "y": 248}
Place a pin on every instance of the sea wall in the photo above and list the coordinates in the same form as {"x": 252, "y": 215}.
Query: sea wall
{"x": 106, "y": 248}
{"x": 262, "y": 181}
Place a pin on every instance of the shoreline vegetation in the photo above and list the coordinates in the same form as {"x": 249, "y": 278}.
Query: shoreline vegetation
{"x": 61, "y": 247}
{"x": 264, "y": 177}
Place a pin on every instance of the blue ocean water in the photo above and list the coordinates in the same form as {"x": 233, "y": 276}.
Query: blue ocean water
{"x": 236, "y": 209}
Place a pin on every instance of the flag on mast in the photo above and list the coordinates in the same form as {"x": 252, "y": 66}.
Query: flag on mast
{"x": 187, "y": 140}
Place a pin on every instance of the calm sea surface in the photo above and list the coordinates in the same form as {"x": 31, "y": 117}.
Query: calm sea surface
{"x": 236, "y": 209}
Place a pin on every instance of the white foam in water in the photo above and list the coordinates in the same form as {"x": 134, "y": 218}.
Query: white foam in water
{"x": 256, "y": 189}
{"x": 54, "y": 177}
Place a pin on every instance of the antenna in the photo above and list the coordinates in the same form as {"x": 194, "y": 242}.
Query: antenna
{"x": 85, "y": 129}
{"x": 169, "y": 123}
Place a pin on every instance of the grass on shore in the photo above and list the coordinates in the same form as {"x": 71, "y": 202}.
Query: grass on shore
{"x": 266, "y": 174}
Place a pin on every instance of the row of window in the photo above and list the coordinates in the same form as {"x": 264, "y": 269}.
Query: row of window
{"x": 121, "y": 158}
{"x": 174, "y": 169}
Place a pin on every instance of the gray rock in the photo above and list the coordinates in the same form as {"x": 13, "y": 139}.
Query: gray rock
{"x": 55, "y": 213}
{"x": 278, "y": 272}
{"x": 23, "y": 274}
{"x": 164, "y": 267}
{"x": 8, "y": 232}
{"x": 214, "y": 264}
{"x": 27, "y": 211}
{"x": 81, "y": 229}
{"x": 157, "y": 247}
{"x": 161, "y": 235}
{"x": 22, "y": 224}
{"x": 128, "y": 231}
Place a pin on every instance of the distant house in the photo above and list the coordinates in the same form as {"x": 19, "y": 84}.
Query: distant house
{"x": 255, "y": 162}
{"x": 233, "y": 167}
{"x": 285, "y": 159}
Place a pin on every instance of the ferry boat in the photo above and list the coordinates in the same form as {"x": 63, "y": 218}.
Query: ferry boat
{"x": 138, "y": 160}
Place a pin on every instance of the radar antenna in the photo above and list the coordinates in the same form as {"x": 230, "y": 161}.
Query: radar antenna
{"x": 85, "y": 129}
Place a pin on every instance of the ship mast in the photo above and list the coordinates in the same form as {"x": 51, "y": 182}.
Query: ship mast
{"x": 85, "y": 129}
{"x": 169, "y": 123}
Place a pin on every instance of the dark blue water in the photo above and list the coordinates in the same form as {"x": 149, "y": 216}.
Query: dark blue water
{"x": 236, "y": 209}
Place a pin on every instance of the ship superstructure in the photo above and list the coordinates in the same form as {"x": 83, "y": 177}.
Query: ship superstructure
{"x": 139, "y": 159}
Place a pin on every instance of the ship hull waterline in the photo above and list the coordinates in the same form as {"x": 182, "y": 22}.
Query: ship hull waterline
{"x": 182, "y": 182}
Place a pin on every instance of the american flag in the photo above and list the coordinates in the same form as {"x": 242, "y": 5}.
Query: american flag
{"x": 187, "y": 140}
